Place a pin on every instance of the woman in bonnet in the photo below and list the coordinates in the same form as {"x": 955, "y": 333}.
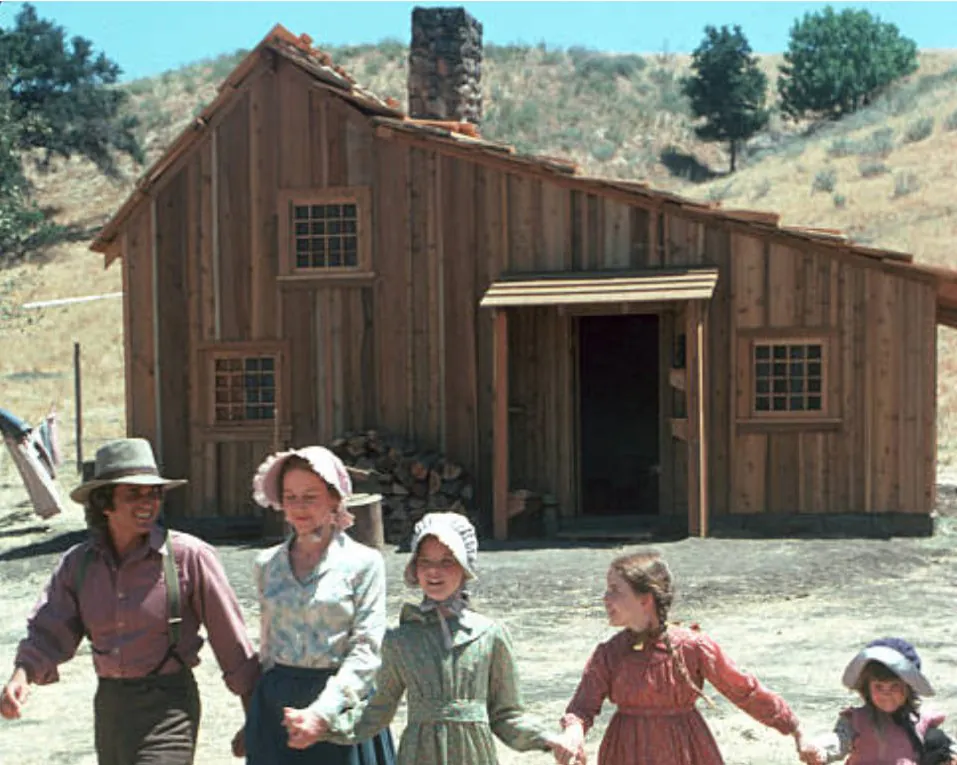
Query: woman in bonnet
{"x": 322, "y": 603}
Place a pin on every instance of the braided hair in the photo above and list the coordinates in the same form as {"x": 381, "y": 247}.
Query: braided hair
{"x": 648, "y": 573}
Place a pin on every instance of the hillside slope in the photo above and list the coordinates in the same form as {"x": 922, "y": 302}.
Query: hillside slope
{"x": 887, "y": 176}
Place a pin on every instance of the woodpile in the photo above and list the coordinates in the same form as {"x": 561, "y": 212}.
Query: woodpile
{"x": 411, "y": 482}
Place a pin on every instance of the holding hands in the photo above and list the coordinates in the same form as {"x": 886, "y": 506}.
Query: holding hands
{"x": 14, "y": 695}
{"x": 569, "y": 747}
{"x": 304, "y": 727}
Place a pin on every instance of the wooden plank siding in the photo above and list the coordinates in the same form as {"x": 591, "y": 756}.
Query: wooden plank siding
{"x": 880, "y": 407}
{"x": 406, "y": 349}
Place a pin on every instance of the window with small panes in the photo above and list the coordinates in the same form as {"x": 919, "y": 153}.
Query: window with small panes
{"x": 788, "y": 378}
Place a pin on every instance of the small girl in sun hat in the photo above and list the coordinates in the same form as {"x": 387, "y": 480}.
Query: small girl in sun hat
{"x": 891, "y": 727}
{"x": 451, "y": 719}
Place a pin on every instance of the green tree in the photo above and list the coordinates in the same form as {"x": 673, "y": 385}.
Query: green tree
{"x": 837, "y": 63}
{"x": 728, "y": 89}
{"x": 58, "y": 98}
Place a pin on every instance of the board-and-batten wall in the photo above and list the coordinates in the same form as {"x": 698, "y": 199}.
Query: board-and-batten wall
{"x": 879, "y": 455}
{"x": 399, "y": 352}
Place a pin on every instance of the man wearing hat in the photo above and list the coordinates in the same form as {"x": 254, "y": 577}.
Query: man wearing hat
{"x": 114, "y": 589}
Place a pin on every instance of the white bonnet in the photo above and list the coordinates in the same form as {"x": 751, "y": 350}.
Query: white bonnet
{"x": 453, "y": 530}
{"x": 323, "y": 462}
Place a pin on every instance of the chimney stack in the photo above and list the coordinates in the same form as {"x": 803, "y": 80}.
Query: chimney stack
{"x": 445, "y": 65}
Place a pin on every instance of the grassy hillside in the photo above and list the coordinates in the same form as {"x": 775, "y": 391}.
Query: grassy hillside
{"x": 886, "y": 175}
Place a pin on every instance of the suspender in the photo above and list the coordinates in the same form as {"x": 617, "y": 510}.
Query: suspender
{"x": 174, "y": 612}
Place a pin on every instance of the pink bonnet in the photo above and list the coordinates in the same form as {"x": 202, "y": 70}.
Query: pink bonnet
{"x": 323, "y": 462}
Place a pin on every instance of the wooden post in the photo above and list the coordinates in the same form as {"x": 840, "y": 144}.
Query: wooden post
{"x": 78, "y": 395}
{"x": 368, "y": 528}
{"x": 500, "y": 426}
{"x": 697, "y": 437}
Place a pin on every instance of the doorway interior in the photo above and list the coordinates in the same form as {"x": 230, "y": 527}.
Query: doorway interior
{"x": 619, "y": 422}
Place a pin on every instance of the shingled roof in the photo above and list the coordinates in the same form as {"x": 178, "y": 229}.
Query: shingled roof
{"x": 388, "y": 117}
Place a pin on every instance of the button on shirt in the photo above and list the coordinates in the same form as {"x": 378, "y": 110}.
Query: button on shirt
{"x": 123, "y": 608}
{"x": 333, "y": 619}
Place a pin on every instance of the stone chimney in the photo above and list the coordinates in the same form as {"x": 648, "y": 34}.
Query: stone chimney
{"x": 445, "y": 65}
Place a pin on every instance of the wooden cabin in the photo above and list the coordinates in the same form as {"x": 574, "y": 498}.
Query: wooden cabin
{"x": 307, "y": 260}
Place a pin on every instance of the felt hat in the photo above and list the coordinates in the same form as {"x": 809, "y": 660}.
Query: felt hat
{"x": 124, "y": 460}
{"x": 899, "y": 656}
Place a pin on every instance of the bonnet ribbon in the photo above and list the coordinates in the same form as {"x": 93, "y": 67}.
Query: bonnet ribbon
{"x": 454, "y": 604}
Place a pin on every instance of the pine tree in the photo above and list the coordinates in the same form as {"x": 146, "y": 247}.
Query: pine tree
{"x": 728, "y": 89}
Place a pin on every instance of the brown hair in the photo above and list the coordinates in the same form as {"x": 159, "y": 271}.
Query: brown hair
{"x": 99, "y": 500}
{"x": 647, "y": 573}
{"x": 906, "y": 716}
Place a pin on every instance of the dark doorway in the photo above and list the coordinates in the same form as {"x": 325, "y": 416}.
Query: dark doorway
{"x": 618, "y": 379}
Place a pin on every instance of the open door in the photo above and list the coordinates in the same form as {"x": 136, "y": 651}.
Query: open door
{"x": 619, "y": 420}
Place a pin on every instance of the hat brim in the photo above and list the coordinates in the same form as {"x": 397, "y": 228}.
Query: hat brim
{"x": 82, "y": 492}
{"x": 895, "y": 661}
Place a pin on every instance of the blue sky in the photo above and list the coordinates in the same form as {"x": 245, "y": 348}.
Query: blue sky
{"x": 146, "y": 38}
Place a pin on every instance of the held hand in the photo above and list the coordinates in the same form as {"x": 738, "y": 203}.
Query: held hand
{"x": 811, "y": 755}
{"x": 239, "y": 743}
{"x": 568, "y": 748}
{"x": 14, "y": 695}
{"x": 304, "y": 728}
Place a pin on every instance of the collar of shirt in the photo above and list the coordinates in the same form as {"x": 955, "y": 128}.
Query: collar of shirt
{"x": 464, "y": 627}
{"x": 330, "y": 558}
{"x": 155, "y": 541}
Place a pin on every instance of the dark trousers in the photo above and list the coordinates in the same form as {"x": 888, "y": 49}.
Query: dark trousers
{"x": 147, "y": 721}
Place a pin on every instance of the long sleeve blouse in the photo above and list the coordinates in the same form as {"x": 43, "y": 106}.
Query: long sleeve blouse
{"x": 335, "y": 619}
{"x": 122, "y": 606}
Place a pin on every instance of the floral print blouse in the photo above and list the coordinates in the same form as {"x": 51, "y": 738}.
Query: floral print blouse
{"x": 333, "y": 619}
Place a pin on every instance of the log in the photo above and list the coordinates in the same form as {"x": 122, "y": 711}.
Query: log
{"x": 435, "y": 482}
{"x": 450, "y": 471}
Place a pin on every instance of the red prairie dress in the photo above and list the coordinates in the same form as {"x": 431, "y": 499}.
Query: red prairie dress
{"x": 656, "y": 722}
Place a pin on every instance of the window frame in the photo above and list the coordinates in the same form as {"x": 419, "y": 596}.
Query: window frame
{"x": 210, "y": 353}
{"x": 750, "y": 418}
{"x": 360, "y": 196}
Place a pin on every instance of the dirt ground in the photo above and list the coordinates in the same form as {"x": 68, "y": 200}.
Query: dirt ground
{"x": 793, "y": 611}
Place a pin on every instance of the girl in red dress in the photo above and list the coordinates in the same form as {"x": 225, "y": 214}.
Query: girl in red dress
{"x": 653, "y": 672}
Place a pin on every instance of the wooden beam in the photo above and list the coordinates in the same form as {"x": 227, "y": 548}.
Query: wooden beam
{"x": 500, "y": 425}
{"x": 697, "y": 437}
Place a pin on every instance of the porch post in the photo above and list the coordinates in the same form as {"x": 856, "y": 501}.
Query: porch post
{"x": 697, "y": 435}
{"x": 500, "y": 425}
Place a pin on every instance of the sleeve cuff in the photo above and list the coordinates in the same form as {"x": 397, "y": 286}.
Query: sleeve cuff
{"x": 242, "y": 681}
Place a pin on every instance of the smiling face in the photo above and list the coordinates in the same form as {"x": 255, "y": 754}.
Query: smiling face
{"x": 627, "y": 608}
{"x": 307, "y": 501}
{"x": 134, "y": 511}
{"x": 436, "y": 570}
{"x": 888, "y": 695}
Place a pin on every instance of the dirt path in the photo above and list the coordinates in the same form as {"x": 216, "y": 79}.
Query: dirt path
{"x": 792, "y": 611}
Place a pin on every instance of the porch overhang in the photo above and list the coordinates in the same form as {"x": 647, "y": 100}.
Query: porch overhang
{"x": 569, "y": 289}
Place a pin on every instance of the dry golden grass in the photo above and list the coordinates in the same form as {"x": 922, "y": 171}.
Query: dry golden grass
{"x": 618, "y": 130}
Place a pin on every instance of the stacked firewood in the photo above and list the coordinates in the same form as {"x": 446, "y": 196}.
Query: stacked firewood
{"x": 411, "y": 482}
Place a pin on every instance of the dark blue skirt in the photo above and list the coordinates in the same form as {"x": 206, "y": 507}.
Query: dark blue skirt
{"x": 266, "y": 739}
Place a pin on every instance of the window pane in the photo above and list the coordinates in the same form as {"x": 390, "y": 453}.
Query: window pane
{"x": 762, "y": 386}
{"x": 814, "y": 369}
{"x": 814, "y": 403}
{"x": 318, "y": 228}
{"x": 797, "y": 351}
{"x": 762, "y": 370}
{"x": 333, "y": 227}
{"x": 302, "y": 245}
{"x": 796, "y": 385}
{"x": 762, "y": 352}
{"x": 780, "y": 403}
{"x": 814, "y": 351}
{"x": 780, "y": 385}
{"x": 351, "y": 258}
{"x": 252, "y": 365}
{"x": 300, "y": 212}
{"x": 349, "y": 227}
{"x": 319, "y": 211}
{"x": 333, "y": 211}
{"x": 762, "y": 404}
{"x": 797, "y": 369}
{"x": 780, "y": 370}
{"x": 302, "y": 260}
{"x": 797, "y": 403}
{"x": 780, "y": 351}
{"x": 814, "y": 386}
{"x": 302, "y": 229}
{"x": 335, "y": 259}
{"x": 349, "y": 211}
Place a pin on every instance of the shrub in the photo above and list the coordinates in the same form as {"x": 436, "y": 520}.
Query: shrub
{"x": 840, "y": 201}
{"x": 880, "y": 143}
{"x": 905, "y": 183}
{"x": 919, "y": 130}
{"x": 825, "y": 180}
{"x": 950, "y": 123}
{"x": 871, "y": 168}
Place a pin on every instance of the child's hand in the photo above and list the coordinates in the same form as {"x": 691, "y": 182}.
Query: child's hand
{"x": 811, "y": 755}
{"x": 568, "y": 748}
{"x": 304, "y": 727}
